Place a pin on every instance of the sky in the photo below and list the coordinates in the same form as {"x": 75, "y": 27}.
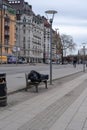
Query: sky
{"x": 71, "y": 18}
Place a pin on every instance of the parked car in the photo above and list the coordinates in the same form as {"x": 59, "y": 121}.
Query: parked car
{"x": 21, "y": 60}
{"x": 12, "y": 60}
{"x": 3, "y": 59}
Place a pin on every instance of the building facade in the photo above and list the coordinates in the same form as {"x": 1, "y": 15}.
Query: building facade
{"x": 29, "y": 35}
{"x": 29, "y": 32}
{"x": 7, "y": 28}
{"x": 30, "y": 38}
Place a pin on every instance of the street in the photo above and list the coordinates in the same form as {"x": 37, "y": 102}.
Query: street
{"x": 23, "y": 68}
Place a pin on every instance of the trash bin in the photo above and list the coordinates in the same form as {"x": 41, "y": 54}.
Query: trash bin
{"x": 3, "y": 90}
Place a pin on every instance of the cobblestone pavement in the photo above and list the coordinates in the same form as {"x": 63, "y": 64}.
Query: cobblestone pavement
{"x": 21, "y": 96}
{"x": 63, "y": 107}
{"x": 45, "y": 119}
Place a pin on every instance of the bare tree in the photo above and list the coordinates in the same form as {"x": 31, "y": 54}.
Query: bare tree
{"x": 66, "y": 44}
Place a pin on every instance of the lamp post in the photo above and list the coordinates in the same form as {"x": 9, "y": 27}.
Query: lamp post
{"x": 51, "y": 13}
{"x": 1, "y": 28}
{"x": 83, "y": 57}
{"x": 56, "y": 44}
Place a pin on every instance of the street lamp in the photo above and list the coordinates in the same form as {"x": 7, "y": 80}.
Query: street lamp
{"x": 1, "y": 4}
{"x": 83, "y": 57}
{"x": 51, "y": 13}
{"x": 57, "y": 39}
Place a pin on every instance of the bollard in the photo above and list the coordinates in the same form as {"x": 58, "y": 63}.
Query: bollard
{"x": 3, "y": 90}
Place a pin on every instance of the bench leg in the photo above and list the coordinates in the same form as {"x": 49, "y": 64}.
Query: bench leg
{"x": 45, "y": 84}
{"x": 36, "y": 88}
{"x": 26, "y": 76}
{"x": 26, "y": 86}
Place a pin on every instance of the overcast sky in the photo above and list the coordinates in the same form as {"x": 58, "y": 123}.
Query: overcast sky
{"x": 71, "y": 18}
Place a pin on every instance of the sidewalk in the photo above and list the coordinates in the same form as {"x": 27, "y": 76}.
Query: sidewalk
{"x": 61, "y": 108}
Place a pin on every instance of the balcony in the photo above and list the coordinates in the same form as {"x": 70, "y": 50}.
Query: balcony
{"x": 6, "y": 28}
{"x": 6, "y": 44}
{"x": 6, "y": 33}
{"x": 6, "y": 18}
{"x": 6, "y": 36}
{"x": 6, "y": 24}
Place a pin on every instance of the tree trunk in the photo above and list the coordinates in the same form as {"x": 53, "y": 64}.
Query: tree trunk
{"x": 62, "y": 57}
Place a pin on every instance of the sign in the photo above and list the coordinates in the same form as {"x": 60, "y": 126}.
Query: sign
{"x": 16, "y": 49}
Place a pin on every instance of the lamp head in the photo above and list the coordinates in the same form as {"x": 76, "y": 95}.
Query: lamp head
{"x": 84, "y": 44}
{"x": 51, "y": 14}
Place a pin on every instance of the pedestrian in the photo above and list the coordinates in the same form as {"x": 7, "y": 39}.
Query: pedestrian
{"x": 74, "y": 62}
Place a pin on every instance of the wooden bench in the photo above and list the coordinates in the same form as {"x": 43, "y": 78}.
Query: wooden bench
{"x": 30, "y": 84}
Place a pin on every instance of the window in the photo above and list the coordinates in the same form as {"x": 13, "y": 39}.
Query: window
{"x": 15, "y": 1}
{"x": 28, "y": 45}
{"x": 24, "y": 20}
{"x": 18, "y": 1}
{"x": 23, "y": 39}
{"x": 24, "y": 26}
{"x": 24, "y": 31}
